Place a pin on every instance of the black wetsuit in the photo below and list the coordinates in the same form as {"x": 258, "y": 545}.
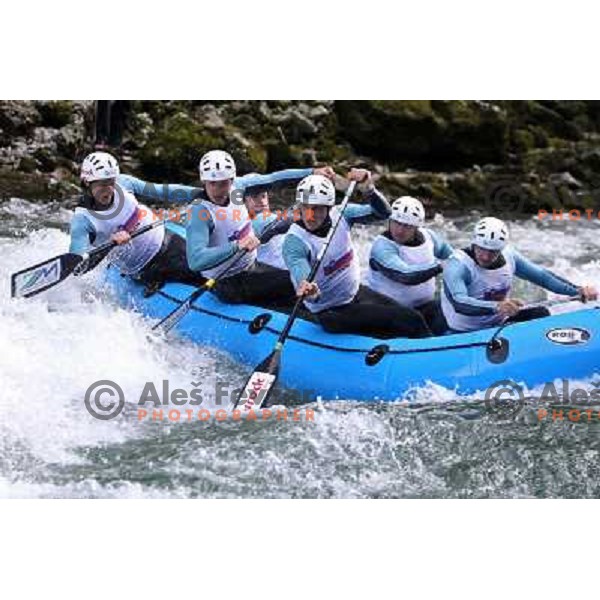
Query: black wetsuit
{"x": 262, "y": 284}
{"x": 375, "y": 315}
{"x": 170, "y": 264}
{"x": 370, "y": 313}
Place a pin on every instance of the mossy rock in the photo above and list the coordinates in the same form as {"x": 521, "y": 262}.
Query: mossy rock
{"x": 391, "y": 131}
{"x": 173, "y": 151}
{"x": 18, "y": 118}
{"x": 30, "y": 186}
{"x": 424, "y": 133}
{"x": 28, "y": 164}
{"x": 556, "y": 123}
{"x": 281, "y": 156}
{"x": 55, "y": 113}
{"x": 45, "y": 159}
{"x": 522, "y": 140}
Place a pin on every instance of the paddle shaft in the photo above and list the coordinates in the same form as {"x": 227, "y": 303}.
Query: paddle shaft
{"x": 175, "y": 316}
{"x": 263, "y": 378}
{"x": 110, "y": 245}
{"x": 315, "y": 267}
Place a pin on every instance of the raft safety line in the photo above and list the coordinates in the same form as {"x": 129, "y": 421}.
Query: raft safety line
{"x": 322, "y": 345}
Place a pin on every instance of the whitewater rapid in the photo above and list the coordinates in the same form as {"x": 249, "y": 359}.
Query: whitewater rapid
{"x": 54, "y": 346}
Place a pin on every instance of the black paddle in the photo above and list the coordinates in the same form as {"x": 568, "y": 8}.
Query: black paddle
{"x": 261, "y": 382}
{"x": 43, "y": 276}
{"x": 166, "y": 324}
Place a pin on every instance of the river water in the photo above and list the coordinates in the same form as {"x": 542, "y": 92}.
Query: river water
{"x": 53, "y": 346}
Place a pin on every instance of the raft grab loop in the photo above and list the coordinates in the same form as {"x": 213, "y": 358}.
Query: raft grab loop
{"x": 376, "y": 354}
{"x": 497, "y": 350}
{"x": 259, "y": 323}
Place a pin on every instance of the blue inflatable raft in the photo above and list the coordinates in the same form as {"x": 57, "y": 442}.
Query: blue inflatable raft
{"x": 334, "y": 366}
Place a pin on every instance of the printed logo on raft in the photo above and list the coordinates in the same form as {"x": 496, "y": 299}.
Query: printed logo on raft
{"x": 105, "y": 400}
{"x": 568, "y": 336}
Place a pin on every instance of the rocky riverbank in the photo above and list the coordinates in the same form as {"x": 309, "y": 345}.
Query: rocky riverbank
{"x": 504, "y": 157}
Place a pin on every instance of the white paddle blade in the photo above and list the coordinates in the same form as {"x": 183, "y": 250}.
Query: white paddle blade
{"x": 256, "y": 390}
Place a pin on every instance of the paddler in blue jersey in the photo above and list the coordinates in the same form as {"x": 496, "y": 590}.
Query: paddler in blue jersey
{"x": 335, "y": 297}
{"x": 222, "y": 238}
{"x": 109, "y": 211}
{"x": 478, "y": 282}
{"x": 405, "y": 260}
{"x": 272, "y": 225}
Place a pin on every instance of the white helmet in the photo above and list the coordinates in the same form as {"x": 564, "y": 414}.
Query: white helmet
{"x": 490, "y": 233}
{"x": 408, "y": 211}
{"x": 316, "y": 190}
{"x": 216, "y": 165}
{"x": 99, "y": 165}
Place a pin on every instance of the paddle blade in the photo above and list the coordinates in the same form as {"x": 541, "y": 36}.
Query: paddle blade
{"x": 173, "y": 318}
{"x": 260, "y": 384}
{"x": 32, "y": 281}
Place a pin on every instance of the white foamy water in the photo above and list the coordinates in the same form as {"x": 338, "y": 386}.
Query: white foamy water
{"x": 54, "y": 346}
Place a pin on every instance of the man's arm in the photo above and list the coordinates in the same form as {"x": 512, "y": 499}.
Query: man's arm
{"x": 385, "y": 259}
{"x": 377, "y": 209}
{"x": 525, "y": 269}
{"x": 267, "y": 228}
{"x": 456, "y": 278}
{"x": 441, "y": 248}
{"x": 82, "y": 235}
{"x": 296, "y": 257}
{"x": 199, "y": 256}
{"x": 156, "y": 192}
{"x": 285, "y": 177}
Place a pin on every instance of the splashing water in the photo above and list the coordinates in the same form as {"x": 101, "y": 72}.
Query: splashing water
{"x": 55, "y": 345}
